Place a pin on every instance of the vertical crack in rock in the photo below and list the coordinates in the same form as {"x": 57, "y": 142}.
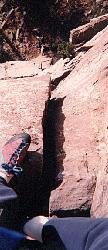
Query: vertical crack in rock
{"x": 52, "y": 174}
{"x": 53, "y": 157}
{"x": 51, "y": 166}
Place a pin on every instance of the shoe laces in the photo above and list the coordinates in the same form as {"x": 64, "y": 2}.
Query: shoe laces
{"x": 11, "y": 166}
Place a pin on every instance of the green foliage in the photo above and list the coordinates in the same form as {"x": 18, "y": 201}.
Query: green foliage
{"x": 66, "y": 49}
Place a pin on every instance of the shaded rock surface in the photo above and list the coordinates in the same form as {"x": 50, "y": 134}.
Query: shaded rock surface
{"x": 81, "y": 135}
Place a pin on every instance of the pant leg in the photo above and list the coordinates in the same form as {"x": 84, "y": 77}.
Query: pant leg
{"x": 81, "y": 233}
{"x": 10, "y": 240}
{"x": 51, "y": 238}
{"x": 7, "y": 194}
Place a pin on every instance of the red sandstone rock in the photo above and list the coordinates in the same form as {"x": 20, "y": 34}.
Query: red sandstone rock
{"x": 82, "y": 129}
{"x": 22, "y": 103}
{"x": 62, "y": 68}
{"x": 18, "y": 69}
{"x": 87, "y": 31}
{"x": 100, "y": 199}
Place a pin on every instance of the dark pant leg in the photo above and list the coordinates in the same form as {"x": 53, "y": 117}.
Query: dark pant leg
{"x": 8, "y": 201}
{"x": 7, "y": 194}
{"x": 11, "y": 214}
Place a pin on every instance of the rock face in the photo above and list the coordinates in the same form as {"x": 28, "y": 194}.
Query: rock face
{"x": 85, "y": 32}
{"x": 69, "y": 131}
{"x": 82, "y": 130}
{"x": 100, "y": 199}
{"x": 23, "y": 105}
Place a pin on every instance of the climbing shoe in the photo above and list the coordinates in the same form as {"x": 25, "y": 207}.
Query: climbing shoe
{"x": 13, "y": 153}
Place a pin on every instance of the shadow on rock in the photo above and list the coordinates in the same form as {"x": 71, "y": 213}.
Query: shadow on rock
{"x": 27, "y": 187}
{"x": 52, "y": 163}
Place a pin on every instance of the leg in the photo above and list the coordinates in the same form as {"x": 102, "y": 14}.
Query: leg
{"x": 11, "y": 157}
{"x": 70, "y": 233}
{"x": 6, "y": 193}
{"x": 10, "y": 240}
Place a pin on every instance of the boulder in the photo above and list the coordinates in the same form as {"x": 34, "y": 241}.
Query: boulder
{"x": 85, "y": 32}
{"x": 81, "y": 127}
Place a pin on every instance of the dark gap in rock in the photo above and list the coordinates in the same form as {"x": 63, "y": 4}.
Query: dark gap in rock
{"x": 51, "y": 167}
{"x": 56, "y": 82}
{"x": 72, "y": 213}
{"x": 50, "y": 176}
{"x": 84, "y": 48}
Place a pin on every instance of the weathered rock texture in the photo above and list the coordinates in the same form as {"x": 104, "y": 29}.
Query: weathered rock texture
{"x": 82, "y": 130}
{"x": 85, "y": 32}
{"x": 20, "y": 69}
{"x": 23, "y": 106}
{"x": 22, "y": 103}
{"x": 100, "y": 199}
